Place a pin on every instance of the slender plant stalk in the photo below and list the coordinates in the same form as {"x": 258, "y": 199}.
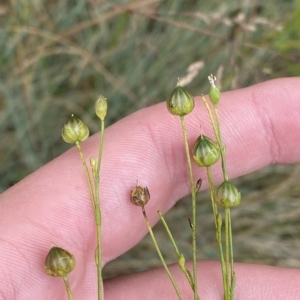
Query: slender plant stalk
{"x": 212, "y": 194}
{"x": 233, "y": 282}
{"x": 223, "y": 264}
{"x": 230, "y": 274}
{"x": 94, "y": 194}
{"x": 160, "y": 255}
{"x": 217, "y": 132}
{"x": 87, "y": 174}
{"x": 227, "y": 254}
{"x": 231, "y": 257}
{"x": 169, "y": 233}
{"x": 68, "y": 289}
{"x": 193, "y": 193}
{"x": 98, "y": 216}
{"x": 219, "y": 140}
{"x": 218, "y": 226}
{"x": 179, "y": 255}
{"x": 228, "y": 229}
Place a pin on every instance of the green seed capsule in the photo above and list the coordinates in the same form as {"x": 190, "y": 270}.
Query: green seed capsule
{"x": 227, "y": 195}
{"x": 101, "y": 107}
{"x": 75, "y": 131}
{"x": 214, "y": 93}
{"x": 59, "y": 262}
{"x": 205, "y": 151}
{"x": 180, "y": 102}
{"x": 140, "y": 196}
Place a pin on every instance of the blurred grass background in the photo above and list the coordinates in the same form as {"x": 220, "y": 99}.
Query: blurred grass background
{"x": 57, "y": 56}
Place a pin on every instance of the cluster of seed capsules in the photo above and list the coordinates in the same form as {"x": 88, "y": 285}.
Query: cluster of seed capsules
{"x": 206, "y": 152}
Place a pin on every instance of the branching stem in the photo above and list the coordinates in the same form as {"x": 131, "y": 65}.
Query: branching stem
{"x": 179, "y": 255}
{"x": 218, "y": 226}
{"x": 160, "y": 255}
{"x": 193, "y": 192}
{"x": 98, "y": 216}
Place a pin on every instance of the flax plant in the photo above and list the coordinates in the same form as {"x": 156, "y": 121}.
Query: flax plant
{"x": 181, "y": 103}
{"x": 206, "y": 152}
{"x": 180, "y": 256}
{"x": 226, "y": 195}
{"x": 75, "y": 132}
{"x": 140, "y": 197}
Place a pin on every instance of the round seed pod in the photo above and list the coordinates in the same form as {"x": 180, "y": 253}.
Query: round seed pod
{"x": 75, "y": 131}
{"x": 214, "y": 95}
{"x": 140, "y": 196}
{"x": 180, "y": 102}
{"x": 227, "y": 195}
{"x": 205, "y": 151}
{"x": 101, "y": 107}
{"x": 59, "y": 262}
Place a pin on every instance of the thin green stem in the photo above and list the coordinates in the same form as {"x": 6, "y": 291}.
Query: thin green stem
{"x": 97, "y": 177}
{"x": 193, "y": 192}
{"x": 94, "y": 194}
{"x": 230, "y": 277}
{"x": 216, "y": 128}
{"x": 179, "y": 255}
{"x": 233, "y": 282}
{"x": 228, "y": 252}
{"x": 87, "y": 174}
{"x": 212, "y": 120}
{"x": 223, "y": 264}
{"x": 218, "y": 226}
{"x": 169, "y": 233}
{"x": 68, "y": 288}
{"x": 98, "y": 216}
{"x": 231, "y": 257}
{"x": 219, "y": 140}
{"x": 212, "y": 194}
{"x": 160, "y": 255}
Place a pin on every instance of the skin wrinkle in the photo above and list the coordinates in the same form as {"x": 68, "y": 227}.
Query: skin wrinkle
{"x": 155, "y": 155}
{"x": 167, "y": 154}
{"x": 236, "y": 135}
{"x": 81, "y": 245}
{"x": 15, "y": 257}
{"x": 169, "y": 158}
{"x": 267, "y": 126}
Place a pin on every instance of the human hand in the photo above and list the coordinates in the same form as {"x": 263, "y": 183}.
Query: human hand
{"x": 260, "y": 125}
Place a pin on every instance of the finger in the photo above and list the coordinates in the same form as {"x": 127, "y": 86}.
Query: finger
{"x": 253, "y": 282}
{"x": 260, "y": 126}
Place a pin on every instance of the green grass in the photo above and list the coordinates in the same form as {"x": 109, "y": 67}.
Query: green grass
{"x": 58, "y": 56}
